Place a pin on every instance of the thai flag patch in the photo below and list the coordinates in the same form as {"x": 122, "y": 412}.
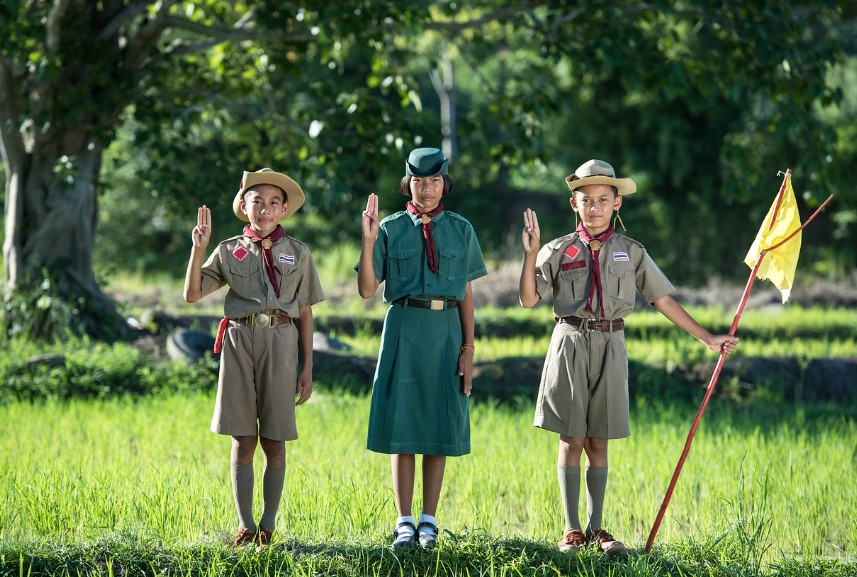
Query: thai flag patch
{"x": 620, "y": 255}
{"x": 572, "y": 251}
{"x": 240, "y": 253}
{"x": 286, "y": 258}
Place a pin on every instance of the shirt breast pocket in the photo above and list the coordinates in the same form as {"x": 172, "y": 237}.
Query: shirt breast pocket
{"x": 402, "y": 263}
{"x": 453, "y": 262}
{"x": 573, "y": 283}
{"x": 621, "y": 283}
{"x": 245, "y": 276}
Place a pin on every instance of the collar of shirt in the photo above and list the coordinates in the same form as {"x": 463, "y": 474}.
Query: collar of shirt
{"x": 415, "y": 220}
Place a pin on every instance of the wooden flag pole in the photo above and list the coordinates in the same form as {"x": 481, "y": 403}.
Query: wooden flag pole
{"x": 716, "y": 375}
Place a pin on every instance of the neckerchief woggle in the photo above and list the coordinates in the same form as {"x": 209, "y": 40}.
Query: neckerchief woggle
{"x": 594, "y": 243}
{"x": 425, "y": 218}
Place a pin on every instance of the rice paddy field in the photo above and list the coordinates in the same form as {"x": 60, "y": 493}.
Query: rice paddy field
{"x": 135, "y": 484}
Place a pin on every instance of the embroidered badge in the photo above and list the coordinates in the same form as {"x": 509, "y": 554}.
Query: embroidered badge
{"x": 572, "y": 251}
{"x": 570, "y": 265}
{"x": 286, "y": 258}
{"x": 240, "y": 253}
{"x": 620, "y": 255}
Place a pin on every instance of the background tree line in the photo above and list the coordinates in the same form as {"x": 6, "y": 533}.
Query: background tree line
{"x": 118, "y": 118}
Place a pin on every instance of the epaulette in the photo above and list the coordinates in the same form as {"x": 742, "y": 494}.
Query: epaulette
{"x": 555, "y": 243}
{"x": 629, "y": 239}
{"x": 455, "y": 215}
{"x": 394, "y": 216}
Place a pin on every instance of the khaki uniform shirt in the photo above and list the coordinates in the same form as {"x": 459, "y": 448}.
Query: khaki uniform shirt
{"x": 565, "y": 264}
{"x": 237, "y": 262}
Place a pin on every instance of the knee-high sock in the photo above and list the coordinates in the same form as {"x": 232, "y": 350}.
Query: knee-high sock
{"x": 596, "y": 486}
{"x": 242, "y": 490}
{"x": 272, "y": 491}
{"x": 569, "y": 488}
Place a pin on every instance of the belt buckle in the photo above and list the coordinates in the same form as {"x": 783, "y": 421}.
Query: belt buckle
{"x": 262, "y": 320}
{"x": 437, "y": 305}
{"x": 590, "y": 324}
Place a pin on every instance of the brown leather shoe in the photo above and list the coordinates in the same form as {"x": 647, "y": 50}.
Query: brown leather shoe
{"x": 572, "y": 541}
{"x": 605, "y": 541}
{"x": 244, "y": 536}
{"x": 263, "y": 537}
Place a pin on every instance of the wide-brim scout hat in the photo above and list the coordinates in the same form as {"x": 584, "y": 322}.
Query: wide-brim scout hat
{"x": 425, "y": 162}
{"x": 599, "y": 172}
{"x": 294, "y": 195}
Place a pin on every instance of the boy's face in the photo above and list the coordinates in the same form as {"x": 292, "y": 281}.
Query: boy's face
{"x": 426, "y": 192}
{"x": 264, "y": 206}
{"x": 595, "y": 204}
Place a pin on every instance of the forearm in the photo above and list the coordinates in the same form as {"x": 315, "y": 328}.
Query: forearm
{"x": 367, "y": 283}
{"x": 193, "y": 276}
{"x": 305, "y": 329}
{"x": 466, "y": 314}
{"x": 671, "y": 309}
{"x": 527, "y": 294}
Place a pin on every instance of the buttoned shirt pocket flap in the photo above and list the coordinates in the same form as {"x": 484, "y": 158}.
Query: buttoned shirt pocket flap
{"x": 621, "y": 282}
{"x": 453, "y": 262}
{"x": 402, "y": 262}
{"x": 244, "y": 276}
{"x": 573, "y": 284}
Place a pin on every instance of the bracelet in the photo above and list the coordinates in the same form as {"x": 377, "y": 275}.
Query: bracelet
{"x": 470, "y": 346}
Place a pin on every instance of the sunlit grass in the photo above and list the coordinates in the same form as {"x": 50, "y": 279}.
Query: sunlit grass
{"x": 150, "y": 466}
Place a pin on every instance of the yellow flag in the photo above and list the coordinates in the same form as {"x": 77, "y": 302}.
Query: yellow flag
{"x": 779, "y": 264}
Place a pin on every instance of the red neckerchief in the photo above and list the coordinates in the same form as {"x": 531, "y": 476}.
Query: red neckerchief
{"x": 426, "y": 217}
{"x": 266, "y": 243}
{"x": 594, "y": 243}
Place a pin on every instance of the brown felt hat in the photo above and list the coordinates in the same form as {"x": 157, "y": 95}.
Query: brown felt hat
{"x": 599, "y": 172}
{"x": 294, "y": 195}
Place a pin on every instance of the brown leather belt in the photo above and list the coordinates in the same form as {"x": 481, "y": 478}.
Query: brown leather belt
{"x": 600, "y": 325}
{"x": 264, "y": 320}
{"x": 435, "y": 305}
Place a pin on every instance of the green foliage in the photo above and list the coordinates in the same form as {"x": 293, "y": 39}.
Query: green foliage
{"x": 79, "y": 368}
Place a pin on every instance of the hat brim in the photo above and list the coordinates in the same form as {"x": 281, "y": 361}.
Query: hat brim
{"x": 625, "y": 186}
{"x": 294, "y": 195}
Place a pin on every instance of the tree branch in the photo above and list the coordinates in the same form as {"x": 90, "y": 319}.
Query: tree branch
{"x": 52, "y": 27}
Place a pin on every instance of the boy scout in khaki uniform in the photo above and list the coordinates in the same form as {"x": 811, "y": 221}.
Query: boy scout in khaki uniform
{"x": 272, "y": 284}
{"x": 594, "y": 274}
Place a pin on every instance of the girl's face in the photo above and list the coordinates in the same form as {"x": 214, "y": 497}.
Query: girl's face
{"x": 595, "y": 204}
{"x": 264, "y": 206}
{"x": 426, "y": 192}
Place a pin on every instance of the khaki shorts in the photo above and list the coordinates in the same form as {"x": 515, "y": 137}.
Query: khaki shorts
{"x": 584, "y": 387}
{"x": 257, "y": 383}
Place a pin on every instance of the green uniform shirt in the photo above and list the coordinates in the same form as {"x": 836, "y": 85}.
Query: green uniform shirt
{"x": 400, "y": 260}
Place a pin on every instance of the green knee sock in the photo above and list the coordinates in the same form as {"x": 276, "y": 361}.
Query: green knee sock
{"x": 569, "y": 488}
{"x": 596, "y": 486}
{"x": 242, "y": 490}
{"x": 272, "y": 491}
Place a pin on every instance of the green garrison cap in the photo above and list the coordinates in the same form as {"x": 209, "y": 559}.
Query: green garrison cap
{"x": 426, "y": 162}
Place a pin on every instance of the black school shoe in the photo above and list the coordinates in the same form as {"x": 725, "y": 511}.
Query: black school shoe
{"x": 403, "y": 539}
{"x": 428, "y": 534}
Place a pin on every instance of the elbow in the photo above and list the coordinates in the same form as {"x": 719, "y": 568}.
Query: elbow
{"x": 191, "y": 298}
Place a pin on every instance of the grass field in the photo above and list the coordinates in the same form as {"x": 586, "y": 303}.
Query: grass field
{"x": 140, "y": 483}
{"x": 130, "y": 484}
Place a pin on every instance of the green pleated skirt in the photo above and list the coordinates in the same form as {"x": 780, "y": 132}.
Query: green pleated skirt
{"x": 418, "y": 404}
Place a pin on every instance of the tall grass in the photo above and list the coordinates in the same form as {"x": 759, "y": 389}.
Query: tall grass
{"x": 75, "y": 472}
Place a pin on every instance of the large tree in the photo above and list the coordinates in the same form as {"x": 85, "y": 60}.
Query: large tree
{"x": 68, "y": 71}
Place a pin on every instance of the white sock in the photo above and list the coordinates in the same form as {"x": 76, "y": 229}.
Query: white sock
{"x": 406, "y": 529}
{"x": 427, "y": 519}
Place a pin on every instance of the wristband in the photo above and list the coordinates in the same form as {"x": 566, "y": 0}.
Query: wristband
{"x": 470, "y": 346}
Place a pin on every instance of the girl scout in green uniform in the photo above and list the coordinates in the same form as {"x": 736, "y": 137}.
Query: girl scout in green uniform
{"x": 594, "y": 275}
{"x": 273, "y": 284}
{"x": 427, "y": 257}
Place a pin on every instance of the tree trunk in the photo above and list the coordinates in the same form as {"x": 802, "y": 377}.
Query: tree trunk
{"x": 50, "y": 236}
